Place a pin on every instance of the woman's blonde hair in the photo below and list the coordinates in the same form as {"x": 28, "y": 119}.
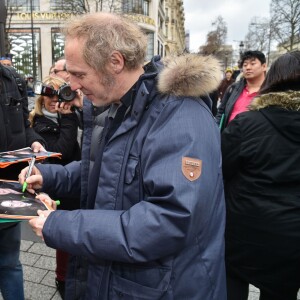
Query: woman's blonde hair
{"x": 39, "y": 102}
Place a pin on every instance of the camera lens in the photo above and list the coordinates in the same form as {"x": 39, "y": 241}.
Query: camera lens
{"x": 66, "y": 94}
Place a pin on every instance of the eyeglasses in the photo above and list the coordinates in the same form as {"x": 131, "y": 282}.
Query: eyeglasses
{"x": 57, "y": 71}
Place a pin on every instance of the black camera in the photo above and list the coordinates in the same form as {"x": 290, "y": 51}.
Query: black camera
{"x": 64, "y": 93}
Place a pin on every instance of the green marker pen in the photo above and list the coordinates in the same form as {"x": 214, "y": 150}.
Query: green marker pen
{"x": 57, "y": 202}
{"x": 31, "y": 164}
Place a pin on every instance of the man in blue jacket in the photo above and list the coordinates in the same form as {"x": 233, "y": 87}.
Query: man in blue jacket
{"x": 152, "y": 219}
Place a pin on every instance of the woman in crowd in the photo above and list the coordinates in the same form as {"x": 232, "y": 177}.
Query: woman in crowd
{"x": 58, "y": 127}
{"x": 261, "y": 165}
{"x": 225, "y": 83}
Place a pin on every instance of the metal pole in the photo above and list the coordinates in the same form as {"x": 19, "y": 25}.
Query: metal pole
{"x": 2, "y": 27}
{"x": 269, "y": 46}
{"x": 33, "y": 46}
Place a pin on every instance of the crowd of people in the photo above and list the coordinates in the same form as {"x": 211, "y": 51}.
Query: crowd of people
{"x": 167, "y": 198}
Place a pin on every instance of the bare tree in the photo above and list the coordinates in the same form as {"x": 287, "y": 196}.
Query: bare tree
{"x": 74, "y": 6}
{"x": 259, "y": 34}
{"x": 86, "y": 6}
{"x": 215, "y": 38}
{"x": 285, "y": 19}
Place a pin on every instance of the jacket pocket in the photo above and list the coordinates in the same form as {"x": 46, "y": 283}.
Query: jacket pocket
{"x": 134, "y": 283}
{"x": 131, "y": 169}
{"x": 132, "y": 183}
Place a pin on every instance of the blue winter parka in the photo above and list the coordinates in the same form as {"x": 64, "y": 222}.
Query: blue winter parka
{"x": 157, "y": 227}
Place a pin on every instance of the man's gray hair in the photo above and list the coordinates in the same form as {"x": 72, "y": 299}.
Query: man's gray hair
{"x": 103, "y": 33}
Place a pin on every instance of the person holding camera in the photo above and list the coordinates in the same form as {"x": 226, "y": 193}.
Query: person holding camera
{"x": 58, "y": 126}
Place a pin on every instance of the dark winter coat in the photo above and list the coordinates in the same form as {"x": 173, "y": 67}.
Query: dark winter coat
{"x": 224, "y": 86}
{"x": 60, "y": 137}
{"x": 261, "y": 167}
{"x": 15, "y": 131}
{"x": 226, "y": 106}
{"x": 154, "y": 233}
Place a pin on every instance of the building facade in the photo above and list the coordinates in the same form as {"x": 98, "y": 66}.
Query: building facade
{"x": 38, "y": 23}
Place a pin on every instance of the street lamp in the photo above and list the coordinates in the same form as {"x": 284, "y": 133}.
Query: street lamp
{"x": 2, "y": 27}
{"x": 241, "y": 46}
{"x": 33, "y": 44}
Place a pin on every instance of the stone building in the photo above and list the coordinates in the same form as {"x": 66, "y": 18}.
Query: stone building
{"x": 38, "y": 23}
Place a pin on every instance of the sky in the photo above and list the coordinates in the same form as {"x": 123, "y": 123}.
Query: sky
{"x": 199, "y": 15}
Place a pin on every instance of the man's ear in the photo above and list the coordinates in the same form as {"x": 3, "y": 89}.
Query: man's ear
{"x": 116, "y": 62}
{"x": 265, "y": 66}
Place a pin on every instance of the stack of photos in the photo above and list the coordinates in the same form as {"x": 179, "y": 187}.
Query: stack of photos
{"x": 12, "y": 157}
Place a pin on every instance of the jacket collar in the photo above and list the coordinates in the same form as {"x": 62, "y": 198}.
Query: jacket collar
{"x": 289, "y": 100}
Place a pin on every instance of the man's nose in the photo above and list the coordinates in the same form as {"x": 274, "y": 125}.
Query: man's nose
{"x": 74, "y": 84}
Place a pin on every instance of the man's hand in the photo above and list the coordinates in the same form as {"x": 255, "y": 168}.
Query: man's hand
{"x": 43, "y": 197}
{"x": 34, "y": 181}
{"x": 37, "y": 147}
{"x": 37, "y": 224}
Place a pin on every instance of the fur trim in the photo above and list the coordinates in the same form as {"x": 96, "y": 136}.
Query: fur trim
{"x": 289, "y": 100}
{"x": 190, "y": 75}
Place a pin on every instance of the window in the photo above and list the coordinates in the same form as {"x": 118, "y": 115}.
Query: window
{"x": 146, "y": 8}
{"x": 160, "y": 48}
{"x": 150, "y": 45}
{"x": 22, "y": 52}
{"x": 63, "y": 5}
{"x": 58, "y": 44}
{"x": 136, "y": 6}
{"x": 23, "y": 5}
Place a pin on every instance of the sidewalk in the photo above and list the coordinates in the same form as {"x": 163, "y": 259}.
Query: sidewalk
{"x": 38, "y": 262}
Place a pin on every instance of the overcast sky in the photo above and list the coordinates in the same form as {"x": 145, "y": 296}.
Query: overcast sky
{"x": 199, "y": 14}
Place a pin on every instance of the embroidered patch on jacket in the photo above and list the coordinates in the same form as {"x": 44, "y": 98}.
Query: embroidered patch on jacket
{"x": 191, "y": 168}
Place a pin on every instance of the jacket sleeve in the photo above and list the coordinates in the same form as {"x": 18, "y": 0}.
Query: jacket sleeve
{"x": 32, "y": 136}
{"x": 173, "y": 211}
{"x": 231, "y": 147}
{"x": 222, "y": 106}
{"x": 61, "y": 181}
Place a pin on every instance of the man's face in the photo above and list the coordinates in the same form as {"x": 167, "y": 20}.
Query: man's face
{"x": 228, "y": 75}
{"x": 50, "y": 101}
{"x": 98, "y": 87}
{"x": 60, "y": 71}
{"x": 6, "y": 62}
{"x": 253, "y": 68}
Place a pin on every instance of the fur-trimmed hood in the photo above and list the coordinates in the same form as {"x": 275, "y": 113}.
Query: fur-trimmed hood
{"x": 289, "y": 100}
{"x": 282, "y": 110}
{"x": 190, "y": 75}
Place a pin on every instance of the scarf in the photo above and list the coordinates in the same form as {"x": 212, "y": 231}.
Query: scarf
{"x": 52, "y": 116}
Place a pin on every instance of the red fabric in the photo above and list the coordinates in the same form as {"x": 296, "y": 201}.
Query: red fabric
{"x": 242, "y": 103}
{"x": 61, "y": 265}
